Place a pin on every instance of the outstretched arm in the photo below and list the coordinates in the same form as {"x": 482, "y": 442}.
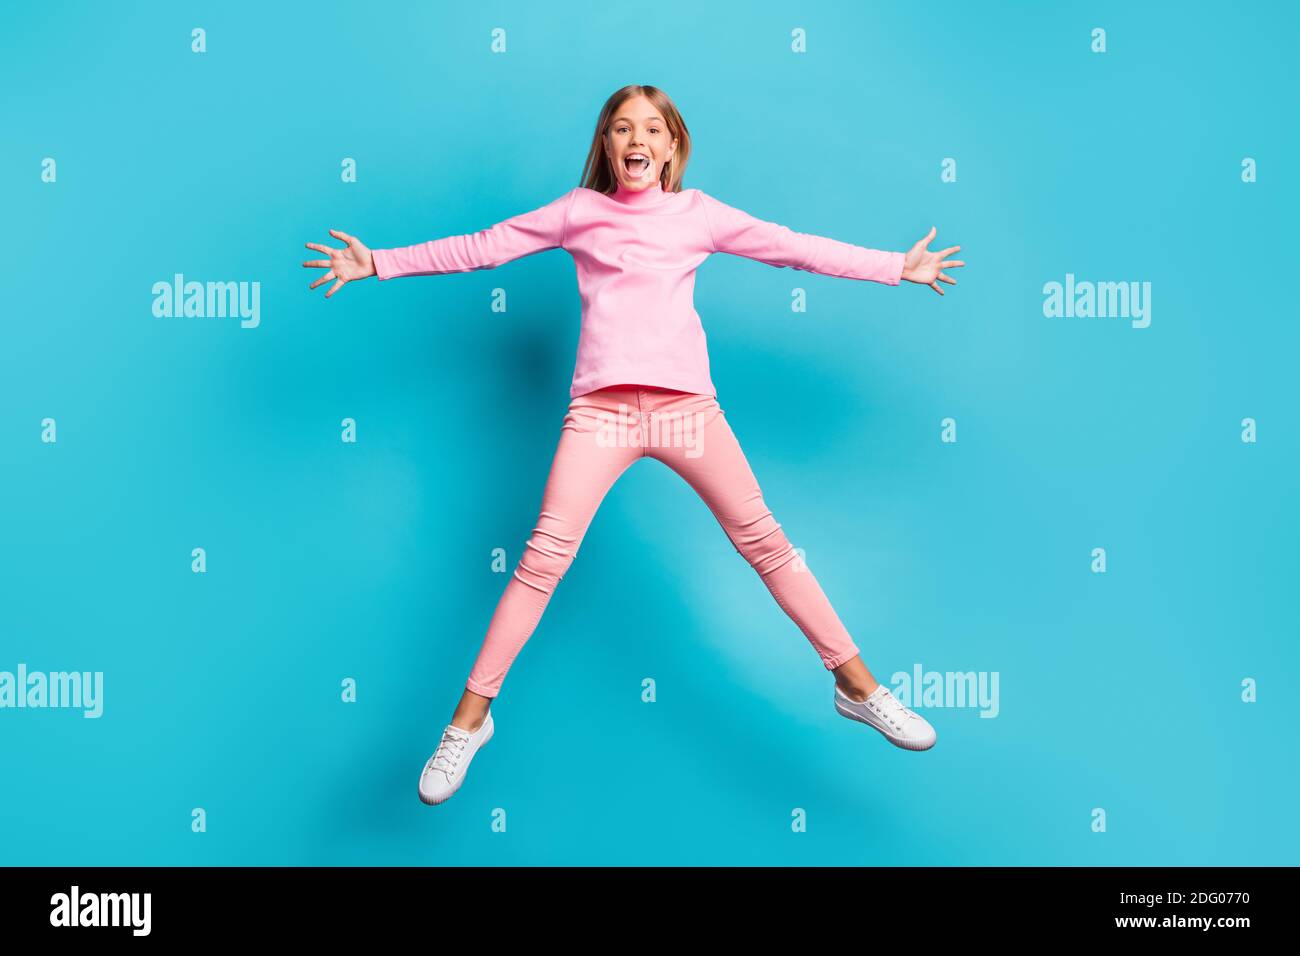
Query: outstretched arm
{"x": 510, "y": 239}
{"x": 735, "y": 231}
{"x": 740, "y": 234}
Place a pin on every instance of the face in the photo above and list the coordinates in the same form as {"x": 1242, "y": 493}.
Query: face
{"x": 638, "y": 143}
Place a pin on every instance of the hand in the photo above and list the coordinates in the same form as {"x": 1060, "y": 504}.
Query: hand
{"x": 345, "y": 265}
{"x": 923, "y": 266}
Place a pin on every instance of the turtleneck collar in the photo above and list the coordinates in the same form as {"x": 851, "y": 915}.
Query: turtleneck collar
{"x": 650, "y": 196}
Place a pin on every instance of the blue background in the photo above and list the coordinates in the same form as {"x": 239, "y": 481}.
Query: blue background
{"x": 328, "y": 560}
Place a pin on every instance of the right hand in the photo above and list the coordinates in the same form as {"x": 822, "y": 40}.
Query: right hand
{"x": 924, "y": 267}
{"x": 353, "y": 262}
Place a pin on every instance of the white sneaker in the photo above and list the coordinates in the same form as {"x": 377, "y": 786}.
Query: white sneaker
{"x": 445, "y": 770}
{"x": 902, "y": 726}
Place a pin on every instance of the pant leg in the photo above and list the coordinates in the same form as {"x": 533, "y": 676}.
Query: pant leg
{"x": 584, "y": 468}
{"x": 694, "y": 438}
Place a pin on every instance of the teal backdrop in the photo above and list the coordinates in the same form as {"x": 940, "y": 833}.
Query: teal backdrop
{"x": 1126, "y": 691}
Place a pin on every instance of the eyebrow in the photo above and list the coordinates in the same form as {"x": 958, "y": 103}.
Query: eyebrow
{"x": 624, "y": 119}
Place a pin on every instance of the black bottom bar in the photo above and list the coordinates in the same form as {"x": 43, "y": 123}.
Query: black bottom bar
{"x": 308, "y": 904}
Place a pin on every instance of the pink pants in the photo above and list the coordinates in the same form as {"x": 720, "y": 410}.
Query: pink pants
{"x": 603, "y": 433}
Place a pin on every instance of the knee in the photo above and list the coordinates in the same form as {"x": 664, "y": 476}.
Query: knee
{"x": 764, "y": 544}
{"x": 546, "y": 558}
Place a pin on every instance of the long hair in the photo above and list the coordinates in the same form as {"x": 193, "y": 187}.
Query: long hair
{"x": 598, "y": 175}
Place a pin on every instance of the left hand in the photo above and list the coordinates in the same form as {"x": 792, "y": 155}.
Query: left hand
{"x": 925, "y": 267}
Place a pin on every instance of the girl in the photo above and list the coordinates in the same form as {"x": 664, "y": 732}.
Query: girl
{"x": 641, "y": 388}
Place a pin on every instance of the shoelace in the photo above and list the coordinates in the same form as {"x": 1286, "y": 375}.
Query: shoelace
{"x": 449, "y": 752}
{"x": 890, "y": 707}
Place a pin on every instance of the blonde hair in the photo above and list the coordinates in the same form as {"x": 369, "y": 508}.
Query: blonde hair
{"x": 598, "y": 175}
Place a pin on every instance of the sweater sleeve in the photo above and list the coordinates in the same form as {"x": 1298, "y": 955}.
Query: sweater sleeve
{"x": 736, "y": 232}
{"x": 522, "y": 235}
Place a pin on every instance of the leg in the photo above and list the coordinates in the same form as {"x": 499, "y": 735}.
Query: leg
{"x": 695, "y": 440}
{"x": 582, "y": 472}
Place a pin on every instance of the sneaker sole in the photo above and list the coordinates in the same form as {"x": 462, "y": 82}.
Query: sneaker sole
{"x": 896, "y": 741}
{"x": 434, "y": 801}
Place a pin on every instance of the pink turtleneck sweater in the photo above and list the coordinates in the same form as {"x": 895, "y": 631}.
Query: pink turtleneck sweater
{"x": 636, "y": 254}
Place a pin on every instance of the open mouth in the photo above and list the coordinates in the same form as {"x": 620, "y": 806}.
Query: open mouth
{"x": 636, "y": 164}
